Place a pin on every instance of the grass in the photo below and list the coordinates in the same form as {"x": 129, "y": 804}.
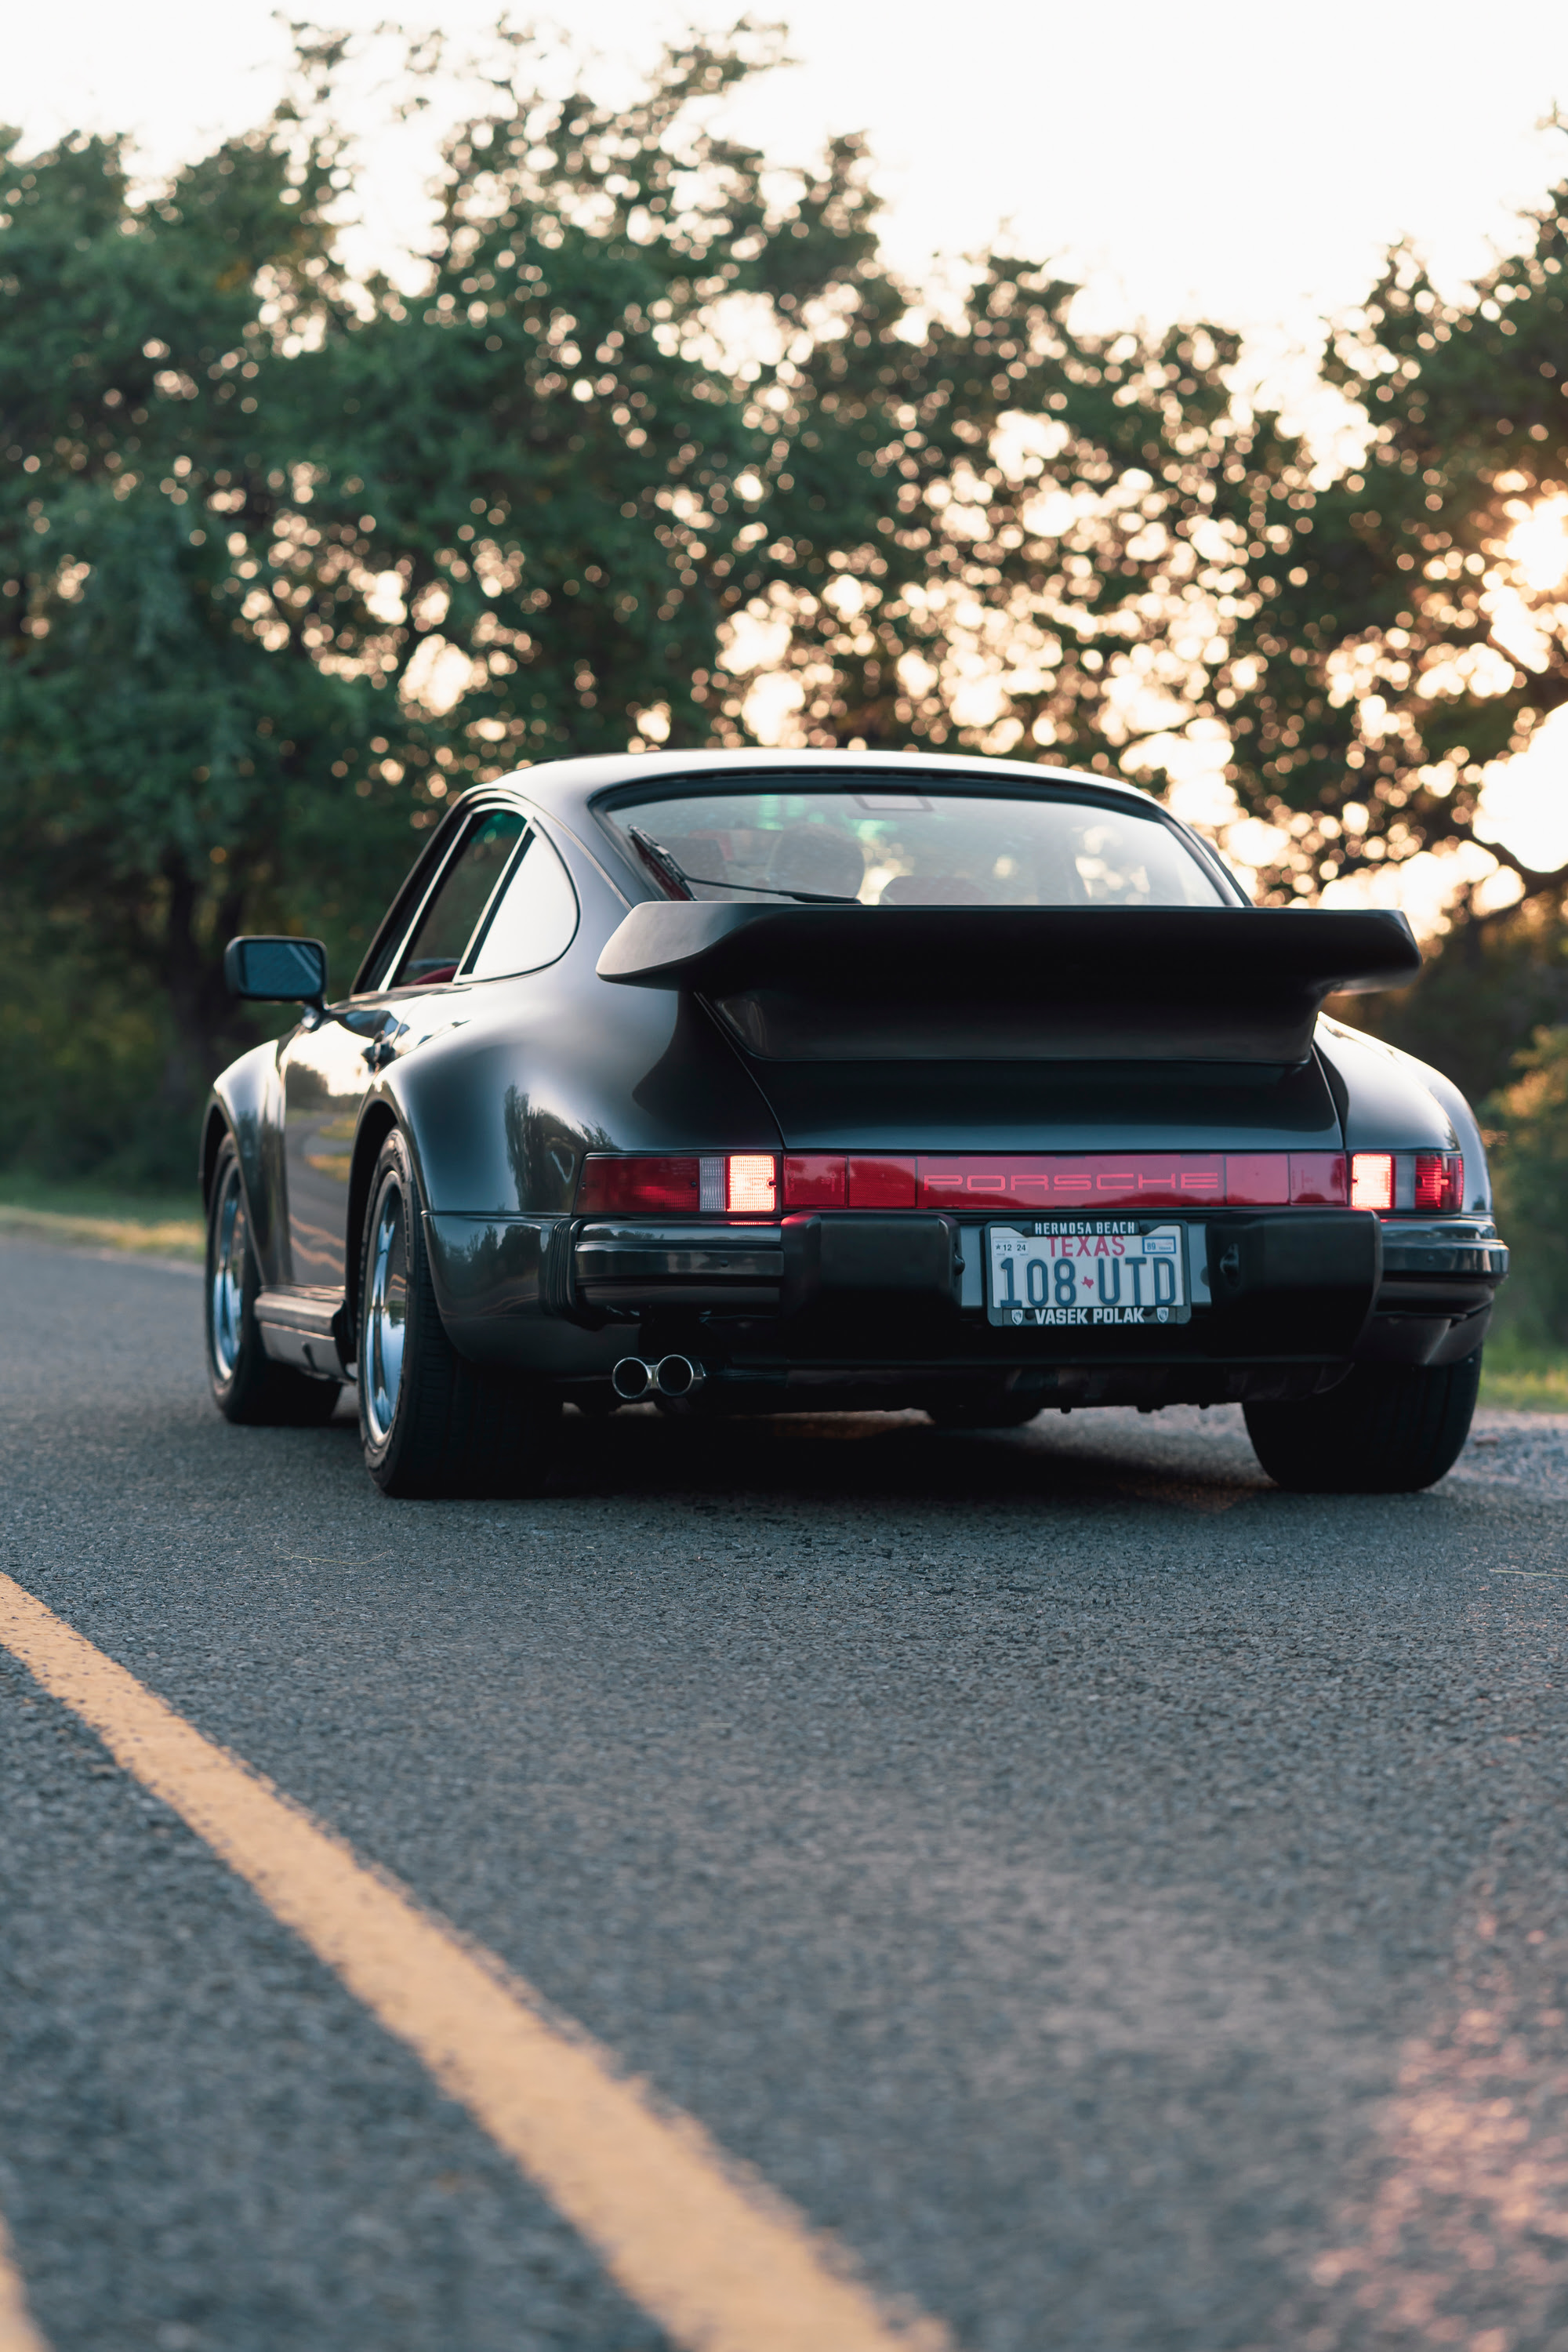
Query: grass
{"x": 1524, "y": 1379}
{"x": 87, "y": 1215}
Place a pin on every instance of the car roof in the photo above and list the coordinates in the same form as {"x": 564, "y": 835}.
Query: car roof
{"x": 564, "y": 788}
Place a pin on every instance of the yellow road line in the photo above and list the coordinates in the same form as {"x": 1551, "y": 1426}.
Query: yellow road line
{"x": 17, "y": 2333}
{"x": 720, "y": 2262}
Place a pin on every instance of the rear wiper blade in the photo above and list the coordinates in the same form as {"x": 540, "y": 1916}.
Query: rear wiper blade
{"x": 653, "y": 854}
{"x": 660, "y": 858}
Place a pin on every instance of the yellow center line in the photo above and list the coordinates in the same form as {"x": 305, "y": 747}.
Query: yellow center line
{"x": 17, "y": 2333}
{"x": 718, "y": 2260}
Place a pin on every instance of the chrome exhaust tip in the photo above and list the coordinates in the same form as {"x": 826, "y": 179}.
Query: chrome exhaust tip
{"x": 631, "y": 1379}
{"x": 677, "y": 1376}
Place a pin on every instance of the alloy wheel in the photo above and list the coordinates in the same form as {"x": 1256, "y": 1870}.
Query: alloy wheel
{"x": 226, "y": 1291}
{"x": 387, "y": 1315}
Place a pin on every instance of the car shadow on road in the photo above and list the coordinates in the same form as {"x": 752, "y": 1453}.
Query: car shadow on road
{"x": 1196, "y": 1462}
{"x": 903, "y": 1458}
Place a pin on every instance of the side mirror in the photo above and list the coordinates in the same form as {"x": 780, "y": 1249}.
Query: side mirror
{"x": 276, "y": 971}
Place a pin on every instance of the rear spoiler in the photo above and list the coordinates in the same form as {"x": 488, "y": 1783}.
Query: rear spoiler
{"x": 1004, "y": 983}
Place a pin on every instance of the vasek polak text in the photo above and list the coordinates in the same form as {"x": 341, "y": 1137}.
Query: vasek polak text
{"x": 1086, "y": 1271}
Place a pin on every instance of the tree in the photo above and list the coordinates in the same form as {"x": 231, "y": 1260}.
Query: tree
{"x": 1100, "y": 549}
{"x": 149, "y": 752}
{"x": 1530, "y": 1135}
{"x": 241, "y": 501}
{"x": 1402, "y": 643}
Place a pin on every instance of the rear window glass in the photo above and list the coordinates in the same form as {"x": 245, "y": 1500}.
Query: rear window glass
{"x": 910, "y": 848}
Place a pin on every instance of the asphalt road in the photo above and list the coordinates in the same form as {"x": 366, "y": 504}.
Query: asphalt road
{"x": 1128, "y": 1904}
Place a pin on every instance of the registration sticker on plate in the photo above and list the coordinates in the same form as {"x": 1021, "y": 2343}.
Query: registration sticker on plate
{"x": 1088, "y": 1271}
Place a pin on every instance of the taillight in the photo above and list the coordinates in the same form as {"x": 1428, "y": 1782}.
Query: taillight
{"x": 1430, "y": 1180}
{"x": 1372, "y": 1180}
{"x": 815, "y": 1180}
{"x": 641, "y": 1184}
{"x": 737, "y": 1184}
{"x": 753, "y": 1184}
{"x": 1439, "y": 1180}
{"x": 752, "y": 1189}
{"x": 879, "y": 1180}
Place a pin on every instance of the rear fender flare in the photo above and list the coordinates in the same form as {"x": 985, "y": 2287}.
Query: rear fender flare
{"x": 378, "y": 1119}
{"x": 246, "y": 1104}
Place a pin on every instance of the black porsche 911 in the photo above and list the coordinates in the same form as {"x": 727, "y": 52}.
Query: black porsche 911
{"x": 781, "y": 1081}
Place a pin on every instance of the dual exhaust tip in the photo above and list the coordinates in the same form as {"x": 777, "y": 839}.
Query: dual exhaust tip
{"x": 672, "y": 1376}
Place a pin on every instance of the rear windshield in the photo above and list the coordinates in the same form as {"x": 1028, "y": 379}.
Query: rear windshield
{"x": 878, "y": 848}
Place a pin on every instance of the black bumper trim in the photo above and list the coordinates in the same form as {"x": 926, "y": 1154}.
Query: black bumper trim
{"x": 634, "y": 1269}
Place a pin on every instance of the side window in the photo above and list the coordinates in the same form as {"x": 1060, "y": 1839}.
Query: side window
{"x": 533, "y": 919}
{"x": 459, "y": 899}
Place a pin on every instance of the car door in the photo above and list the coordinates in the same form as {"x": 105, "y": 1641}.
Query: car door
{"x": 329, "y": 1068}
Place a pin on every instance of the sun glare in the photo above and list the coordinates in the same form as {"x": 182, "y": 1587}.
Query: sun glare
{"x": 1537, "y": 546}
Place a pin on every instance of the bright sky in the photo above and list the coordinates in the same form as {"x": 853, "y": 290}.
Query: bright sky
{"x": 1245, "y": 162}
{"x": 1239, "y": 161}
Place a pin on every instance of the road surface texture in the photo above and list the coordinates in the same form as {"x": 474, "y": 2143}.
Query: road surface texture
{"x": 1125, "y": 1905}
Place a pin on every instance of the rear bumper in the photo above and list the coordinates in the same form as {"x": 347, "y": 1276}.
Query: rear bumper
{"x": 1440, "y": 1278}
{"x": 1271, "y": 1284}
{"x": 821, "y": 1298}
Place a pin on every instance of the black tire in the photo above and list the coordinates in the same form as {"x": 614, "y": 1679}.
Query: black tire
{"x": 246, "y": 1385}
{"x": 432, "y": 1422}
{"x": 1386, "y": 1429}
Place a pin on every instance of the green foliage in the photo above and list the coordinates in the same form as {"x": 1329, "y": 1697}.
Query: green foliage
{"x": 1530, "y": 1120}
{"x": 1483, "y": 995}
{"x": 151, "y": 753}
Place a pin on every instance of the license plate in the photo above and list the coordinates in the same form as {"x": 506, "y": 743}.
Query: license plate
{"x": 1086, "y": 1271}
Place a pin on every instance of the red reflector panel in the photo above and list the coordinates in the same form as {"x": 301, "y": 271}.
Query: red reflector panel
{"x": 1128, "y": 1180}
{"x": 814, "y": 1179}
{"x": 754, "y": 1184}
{"x": 881, "y": 1183}
{"x": 1318, "y": 1178}
{"x": 1372, "y": 1180}
{"x": 1257, "y": 1179}
{"x": 1439, "y": 1180}
{"x": 619, "y": 1185}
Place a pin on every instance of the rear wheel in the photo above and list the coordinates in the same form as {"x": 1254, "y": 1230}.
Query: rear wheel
{"x": 432, "y": 1422}
{"x": 1386, "y": 1429}
{"x": 246, "y": 1385}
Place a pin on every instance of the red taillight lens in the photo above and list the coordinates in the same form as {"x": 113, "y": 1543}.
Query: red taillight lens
{"x": 1318, "y": 1179}
{"x": 1439, "y": 1180}
{"x": 1257, "y": 1179}
{"x": 738, "y": 1183}
{"x": 814, "y": 1179}
{"x": 626, "y": 1186}
{"x": 753, "y": 1186}
{"x": 881, "y": 1183}
{"x": 1049, "y": 1182}
{"x": 837, "y": 1180}
{"x": 1372, "y": 1180}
